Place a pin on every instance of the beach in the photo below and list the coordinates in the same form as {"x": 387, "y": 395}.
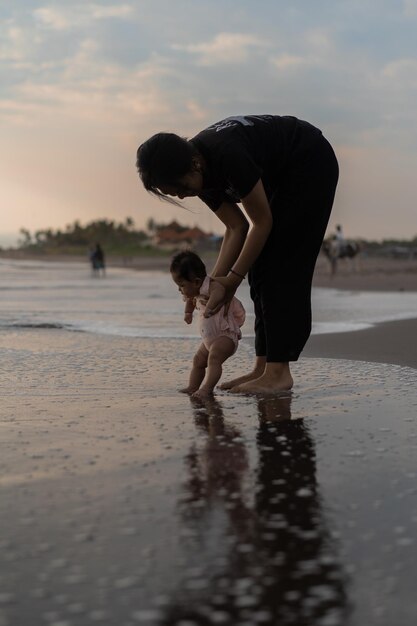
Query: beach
{"x": 125, "y": 502}
{"x": 390, "y": 342}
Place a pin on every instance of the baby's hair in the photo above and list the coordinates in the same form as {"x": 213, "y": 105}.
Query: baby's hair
{"x": 188, "y": 265}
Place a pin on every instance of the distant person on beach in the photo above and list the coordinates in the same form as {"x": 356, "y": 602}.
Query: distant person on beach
{"x": 97, "y": 260}
{"x": 220, "y": 332}
{"x": 284, "y": 173}
{"x": 339, "y": 239}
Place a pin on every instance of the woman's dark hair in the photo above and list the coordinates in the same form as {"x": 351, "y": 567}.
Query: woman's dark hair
{"x": 162, "y": 160}
{"x": 188, "y": 265}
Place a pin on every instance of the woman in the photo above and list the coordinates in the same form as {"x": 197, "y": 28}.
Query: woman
{"x": 284, "y": 173}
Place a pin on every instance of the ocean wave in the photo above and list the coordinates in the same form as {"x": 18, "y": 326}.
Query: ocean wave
{"x": 34, "y": 325}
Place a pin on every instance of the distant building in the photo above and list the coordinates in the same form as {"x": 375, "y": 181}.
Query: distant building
{"x": 174, "y": 236}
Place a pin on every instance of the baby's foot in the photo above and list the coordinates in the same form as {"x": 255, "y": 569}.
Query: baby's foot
{"x": 189, "y": 390}
{"x": 202, "y": 393}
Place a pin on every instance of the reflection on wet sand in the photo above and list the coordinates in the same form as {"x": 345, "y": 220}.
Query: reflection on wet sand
{"x": 256, "y": 547}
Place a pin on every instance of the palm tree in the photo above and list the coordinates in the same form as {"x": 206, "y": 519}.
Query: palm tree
{"x": 129, "y": 223}
{"x": 151, "y": 225}
{"x": 26, "y": 237}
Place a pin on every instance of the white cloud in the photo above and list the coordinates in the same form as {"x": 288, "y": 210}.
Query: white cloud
{"x": 88, "y": 89}
{"x": 403, "y": 71}
{"x": 65, "y": 18}
{"x": 197, "y": 112}
{"x": 289, "y": 61}
{"x": 319, "y": 41}
{"x": 120, "y": 11}
{"x": 53, "y": 17}
{"x": 16, "y": 44}
{"x": 316, "y": 48}
{"x": 410, "y": 8}
{"x": 397, "y": 84}
{"x": 224, "y": 48}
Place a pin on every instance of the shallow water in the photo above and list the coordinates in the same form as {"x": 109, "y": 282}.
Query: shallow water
{"x": 124, "y": 502}
{"x": 38, "y": 294}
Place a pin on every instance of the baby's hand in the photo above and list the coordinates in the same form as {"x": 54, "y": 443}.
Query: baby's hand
{"x": 188, "y": 317}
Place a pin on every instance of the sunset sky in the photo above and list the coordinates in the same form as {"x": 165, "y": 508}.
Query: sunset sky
{"x": 83, "y": 83}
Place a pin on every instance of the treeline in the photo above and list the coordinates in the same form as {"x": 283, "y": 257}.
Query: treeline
{"x": 399, "y": 248}
{"x": 114, "y": 237}
{"x": 125, "y": 238}
{"x": 408, "y": 243}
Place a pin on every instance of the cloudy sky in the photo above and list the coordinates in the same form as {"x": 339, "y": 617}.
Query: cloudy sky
{"x": 83, "y": 83}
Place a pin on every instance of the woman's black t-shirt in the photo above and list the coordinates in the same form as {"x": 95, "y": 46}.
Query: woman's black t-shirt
{"x": 241, "y": 150}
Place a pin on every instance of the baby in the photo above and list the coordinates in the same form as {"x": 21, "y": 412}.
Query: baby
{"x": 220, "y": 332}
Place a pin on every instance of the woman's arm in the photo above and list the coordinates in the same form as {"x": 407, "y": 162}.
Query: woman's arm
{"x": 257, "y": 208}
{"x": 237, "y": 227}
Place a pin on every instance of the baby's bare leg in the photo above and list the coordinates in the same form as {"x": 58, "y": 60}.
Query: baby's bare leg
{"x": 198, "y": 370}
{"x": 220, "y": 350}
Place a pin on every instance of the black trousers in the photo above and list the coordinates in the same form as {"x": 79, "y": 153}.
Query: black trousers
{"x": 280, "y": 279}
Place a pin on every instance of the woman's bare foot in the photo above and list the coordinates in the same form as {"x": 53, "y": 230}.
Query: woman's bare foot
{"x": 229, "y": 384}
{"x": 257, "y": 371}
{"x": 276, "y": 378}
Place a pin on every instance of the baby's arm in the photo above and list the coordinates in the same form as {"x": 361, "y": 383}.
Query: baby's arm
{"x": 189, "y": 310}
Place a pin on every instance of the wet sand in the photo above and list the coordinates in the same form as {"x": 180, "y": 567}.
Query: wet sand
{"x": 124, "y": 502}
{"x": 389, "y": 342}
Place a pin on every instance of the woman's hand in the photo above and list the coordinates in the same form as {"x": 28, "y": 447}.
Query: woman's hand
{"x": 221, "y": 291}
